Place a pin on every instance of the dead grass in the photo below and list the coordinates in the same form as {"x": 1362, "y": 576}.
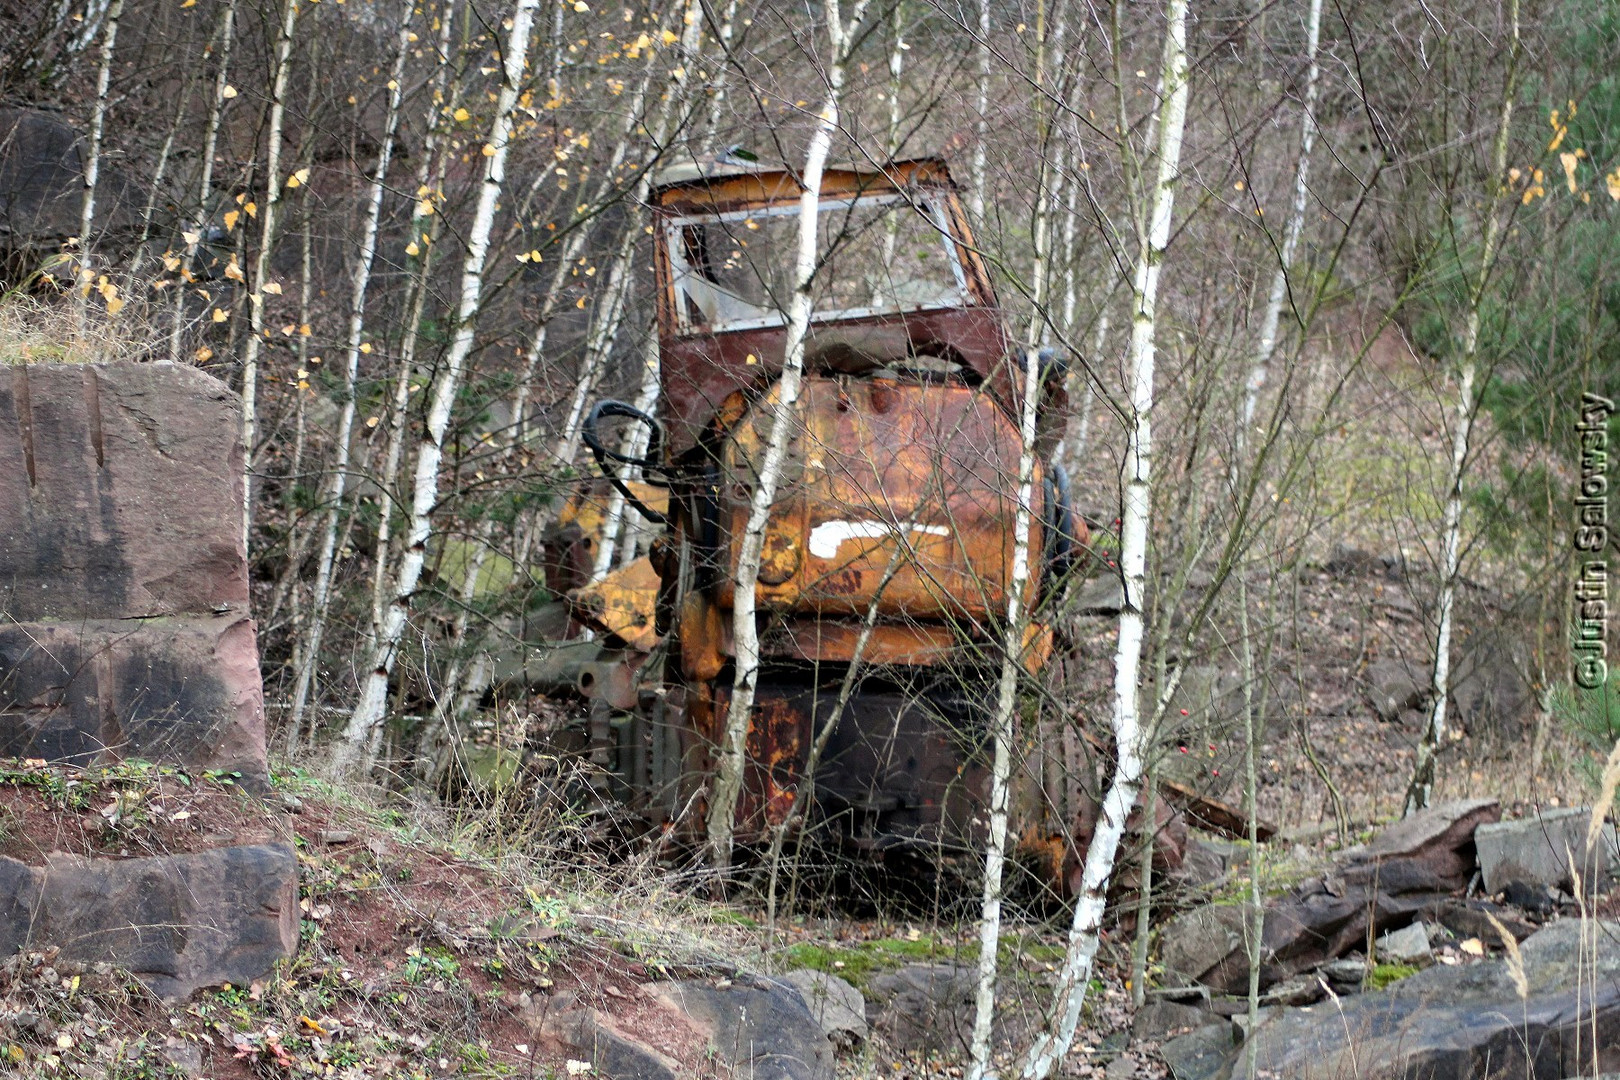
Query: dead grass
{"x": 33, "y": 331}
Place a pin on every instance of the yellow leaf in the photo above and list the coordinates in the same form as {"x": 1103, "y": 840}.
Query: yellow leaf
{"x": 304, "y": 331}
{"x": 489, "y": 151}
{"x": 365, "y": 347}
{"x": 228, "y": 93}
{"x": 1569, "y": 161}
{"x": 462, "y": 116}
{"x": 203, "y": 355}
{"x": 234, "y": 272}
{"x": 298, "y": 178}
{"x": 273, "y": 288}
{"x": 669, "y": 37}
{"x": 371, "y": 421}
{"x": 231, "y": 218}
{"x": 1473, "y": 947}
{"x": 1612, "y": 181}
{"x": 424, "y": 208}
{"x": 581, "y": 303}
{"x": 581, "y": 6}
{"x": 412, "y": 249}
{"x": 191, "y": 238}
{"x": 288, "y": 330}
{"x": 189, "y": 3}
{"x": 114, "y": 305}
{"x": 252, "y": 209}
{"x": 171, "y": 262}
{"x": 219, "y": 315}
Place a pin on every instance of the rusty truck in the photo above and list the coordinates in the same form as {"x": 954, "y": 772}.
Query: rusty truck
{"x": 897, "y": 500}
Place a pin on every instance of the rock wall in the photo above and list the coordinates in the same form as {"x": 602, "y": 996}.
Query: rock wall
{"x": 124, "y": 629}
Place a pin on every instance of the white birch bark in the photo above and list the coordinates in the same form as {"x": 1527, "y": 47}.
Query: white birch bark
{"x": 609, "y": 313}
{"x": 432, "y": 165}
{"x": 354, "y": 749}
{"x": 205, "y": 189}
{"x": 1422, "y": 783}
{"x": 1012, "y": 662}
{"x": 261, "y": 260}
{"x": 92, "y": 159}
{"x": 1260, "y": 369}
{"x": 977, "y": 171}
{"x": 717, "y": 85}
{"x": 326, "y": 560}
{"x": 1048, "y": 1050}
{"x": 728, "y": 774}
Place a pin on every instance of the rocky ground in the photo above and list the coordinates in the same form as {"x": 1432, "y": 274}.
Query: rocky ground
{"x": 431, "y": 947}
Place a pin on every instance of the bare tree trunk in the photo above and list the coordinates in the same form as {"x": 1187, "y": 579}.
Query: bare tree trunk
{"x": 354, "y": 750}
{"x": 326, "y": 561}
{"x": 1048, "y": 1050}
{"x": 1422, "y": 783}
{"x": 261, "y": 261}
{"x": 205, "y": 191}
{"x": 92, "y": 162}
{"x": 978, "y": 178}
{"x": 433, "y": 164}
{"x": 1012, "y": 663}
{"x": 1259, "y": 370}
{"x": 729, "y": 769}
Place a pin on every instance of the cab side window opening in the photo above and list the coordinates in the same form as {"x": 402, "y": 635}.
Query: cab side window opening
{"x": 878, "y": 255}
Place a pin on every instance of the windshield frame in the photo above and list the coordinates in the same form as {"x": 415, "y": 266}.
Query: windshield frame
{"x": 935, "y": 210}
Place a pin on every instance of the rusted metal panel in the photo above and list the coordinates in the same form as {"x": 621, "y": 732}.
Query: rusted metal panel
{"x": 919, "y": 474}
{"x": 623, "y": 604}
{"x": 701, "y": 368}
{"x": 829, "y": 641}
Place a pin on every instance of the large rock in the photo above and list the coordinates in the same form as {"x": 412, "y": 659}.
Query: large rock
{"x": 42, "y": 183}
{"x": 176, "y": 689}
{"x": 1412, "y": 868}
{"x": 1536, "y": 850}
{"x": 925, "y": 1007}
{"x": 123, "y": 568}
{"x": 123, "y": 489}
{"x": 1392, "y": 687}
{"x": 837, "y": 1006}
{"x": 178, "y": 922}
{"x": 757, "y": 1027}
{"x": 1463, "y": 1023}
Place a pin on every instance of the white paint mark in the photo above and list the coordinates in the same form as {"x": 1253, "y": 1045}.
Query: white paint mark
{"x": 826, "y": 538}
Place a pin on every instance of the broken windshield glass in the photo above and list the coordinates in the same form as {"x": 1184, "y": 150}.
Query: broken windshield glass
{"x": 877, "y": 255}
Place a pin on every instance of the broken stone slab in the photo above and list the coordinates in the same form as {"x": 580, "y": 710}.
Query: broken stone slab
{"x": 1158, "y": 1021}
{"x": 1412, "y": 867}
{"x": 1536, "y": 850}
{"x": 177, "y": 922}
{"x": 42, "y": 185}
{"x": 1408, "y": 945}
{"x": 613, "y": 1053}
{"x": 1201, "y": 1054}
{"x": 756, "y": 1027}
{"x": 184, "y": 690}
{"x": 123, "y": 489}
{"x": 836, "y": 1005}
{"x": 1392, "y": 687}
{"x": 925, "y": 1007}
{"x": 1458, "y": 1023}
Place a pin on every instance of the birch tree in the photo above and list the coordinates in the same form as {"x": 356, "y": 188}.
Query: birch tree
{"x": 261, "y": 261}
{"x": 1269, "y": 321}
{"x": 205, "y": 191}
{"x": 1012, "y": 663}
{"x": 728, "y": 776}
{"x": 1153, "y": 238}
{"x": 1422, "y": 782}
{"x": 92, "y": 161}
{"x": 327, "y": 558}
{"x": 353, "y": 751}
